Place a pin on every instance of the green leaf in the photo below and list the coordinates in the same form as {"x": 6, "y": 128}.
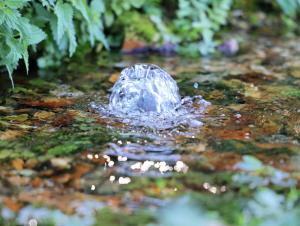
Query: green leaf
{"x": 2, "y": 18}
{"x": 82, "y": 7}
{"x": 16, "y": 4}
{"x": 33, "y": 34}
{"x": 65, "y": 25}
{"x": 289, "y": 7}
{"x": 137, "y": 3}
{"x": 98, "y": 5}
{"x": 19, "y": 35}
{"x": 48, "y": 2}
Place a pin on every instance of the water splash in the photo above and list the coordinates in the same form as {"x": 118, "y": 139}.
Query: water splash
{"x": 147, "y": 100}
{"x": 147, "y": 96}
{"x": 144, "y": 88}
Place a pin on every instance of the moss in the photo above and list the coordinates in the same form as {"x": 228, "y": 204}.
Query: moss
{"x": 246, "y": 147}
{"x": 155, "y": 187}
{"x": 109, "y": 217}
{"x": 83, "y": 134}
{"x": 195, "y": 180}
{"x": 220, "y": 92}
{"x": 63, "y": 149}
{"x": 42, "y": 84}
{"x": 291, "y": 93}
{"x": 71, "y": 140}
{"x": 13, "y": 149}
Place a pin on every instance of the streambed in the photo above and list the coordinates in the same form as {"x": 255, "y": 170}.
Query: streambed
{"x": 66, "y": 161}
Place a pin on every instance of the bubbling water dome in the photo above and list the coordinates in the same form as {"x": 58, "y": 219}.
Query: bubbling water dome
{"x": 145, "y": 88}
{"x": 147, "y": 96}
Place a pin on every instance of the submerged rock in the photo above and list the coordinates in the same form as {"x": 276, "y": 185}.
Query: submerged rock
{"x": 145, "y": 88}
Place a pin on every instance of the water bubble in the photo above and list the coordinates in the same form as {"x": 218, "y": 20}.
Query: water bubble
{"x": 147, "y": 96}
{"x": 144, "y": 88}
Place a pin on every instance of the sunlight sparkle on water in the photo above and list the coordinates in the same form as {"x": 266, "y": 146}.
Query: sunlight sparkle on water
{"x": 214, "y": 189}
{"x": 124, "y": 180}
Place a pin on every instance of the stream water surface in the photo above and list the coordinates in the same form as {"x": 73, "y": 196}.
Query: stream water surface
{"x": 83, "y": 146}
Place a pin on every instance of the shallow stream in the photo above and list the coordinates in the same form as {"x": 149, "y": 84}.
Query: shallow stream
{"x": 66, "y": 156}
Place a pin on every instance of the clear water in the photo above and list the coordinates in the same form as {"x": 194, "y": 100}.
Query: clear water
{"x": 144, "y": 88}
{"x": 146, "y": 95}
{"x": 153, "y": 157}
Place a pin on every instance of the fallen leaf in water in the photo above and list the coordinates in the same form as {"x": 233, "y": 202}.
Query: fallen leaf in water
{"x": 43, "y": 115}
{"x": 18, "y": 164}
{"x": 10, "y": 134}
{"x": 61, "y": 202}
{"x": 222, "y": 161}
{"x": 62, "y": 179}
{"x": 31, "y": 163}
{"x": 16, "y": 118}
{"x": 50, "y": 102}
{"x": 114, "y": 77}
{"x": 81, "y": 169}
{"x": 66, "y": 119}
{"x": 36, "y": 182}
{"x": 22, "y": 126}
{"x": 6, "y": 109}
{"x": 12, "y": 204}
{"x": 78, "y": 172}
{"x": 233, "y": 134}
